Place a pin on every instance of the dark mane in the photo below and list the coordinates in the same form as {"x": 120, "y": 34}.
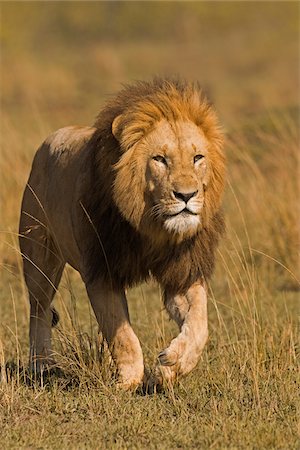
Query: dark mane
{"x": 114, "y": 249}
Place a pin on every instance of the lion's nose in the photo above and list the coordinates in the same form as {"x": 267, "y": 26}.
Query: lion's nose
{"x": 185, "y": 196}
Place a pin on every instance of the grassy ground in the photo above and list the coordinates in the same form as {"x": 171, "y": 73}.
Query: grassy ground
{"x": 58, "y": 67}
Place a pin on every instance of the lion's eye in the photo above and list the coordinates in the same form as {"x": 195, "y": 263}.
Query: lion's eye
{"x": 160, "y": 159}
{"x": 198, "y": 158}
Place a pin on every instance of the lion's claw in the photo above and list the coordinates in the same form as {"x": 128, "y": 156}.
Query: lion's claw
{"x": 165, "y": 359}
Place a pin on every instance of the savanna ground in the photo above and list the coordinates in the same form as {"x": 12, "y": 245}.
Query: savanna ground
{"x": 59, "y": 63}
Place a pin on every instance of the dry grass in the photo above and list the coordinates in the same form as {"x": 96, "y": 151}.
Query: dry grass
{"x": 243, "y": 393}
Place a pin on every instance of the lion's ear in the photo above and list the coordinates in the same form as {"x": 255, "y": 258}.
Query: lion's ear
{"x": 116, "y": 127}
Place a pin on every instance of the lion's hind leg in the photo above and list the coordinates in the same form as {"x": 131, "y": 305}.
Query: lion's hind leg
{"x": 43, "y": 268}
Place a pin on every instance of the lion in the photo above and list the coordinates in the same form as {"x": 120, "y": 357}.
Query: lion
{"x": 136, "y": 195}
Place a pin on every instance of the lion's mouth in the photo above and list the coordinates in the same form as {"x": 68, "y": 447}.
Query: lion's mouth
{"x": 184, "y": 212}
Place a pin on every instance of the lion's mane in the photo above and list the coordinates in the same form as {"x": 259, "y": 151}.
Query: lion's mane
{"x": 117, "y": 249}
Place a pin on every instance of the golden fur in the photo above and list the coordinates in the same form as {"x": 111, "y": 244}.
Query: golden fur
{"x": 109, "y": 199}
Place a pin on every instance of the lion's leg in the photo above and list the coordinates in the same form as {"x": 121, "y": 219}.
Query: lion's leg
{"x": 177, "y": 307}
{"x": 111, "y": 311}
{"x": 42, "y": 271}
{"x": 183, "y": 353}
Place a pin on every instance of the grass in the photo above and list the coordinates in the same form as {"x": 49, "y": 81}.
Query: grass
{"x": 243, "y": 393}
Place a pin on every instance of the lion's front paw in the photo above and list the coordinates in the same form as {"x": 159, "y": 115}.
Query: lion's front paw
{"x": 171, "y": 355}
{"x": 155, "y": 382}
{"x": 129, "y": 385}
{"x": 130, "y": 377}
{"x": 177, "y": 360}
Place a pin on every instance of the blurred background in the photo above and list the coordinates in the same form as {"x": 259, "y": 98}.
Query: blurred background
{"x": 60, "y": 60}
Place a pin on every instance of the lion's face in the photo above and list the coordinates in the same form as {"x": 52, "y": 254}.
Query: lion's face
{"x": 176, "y": 175}
{"x": 169, "y": 183}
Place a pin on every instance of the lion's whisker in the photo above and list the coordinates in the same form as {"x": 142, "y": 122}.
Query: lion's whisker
{"x": 155, "y": 211}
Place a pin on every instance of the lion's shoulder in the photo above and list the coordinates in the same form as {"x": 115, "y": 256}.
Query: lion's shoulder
{"x": 69, "y": 138}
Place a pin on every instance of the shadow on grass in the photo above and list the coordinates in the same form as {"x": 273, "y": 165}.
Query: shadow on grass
{"x": 56, "y": 377}
{"x": 45, "y": 379}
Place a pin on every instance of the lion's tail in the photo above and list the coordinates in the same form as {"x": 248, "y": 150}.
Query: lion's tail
{"x": 55, "y": 317}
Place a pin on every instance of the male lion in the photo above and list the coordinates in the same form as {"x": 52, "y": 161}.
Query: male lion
{"x": 136, "y": 195}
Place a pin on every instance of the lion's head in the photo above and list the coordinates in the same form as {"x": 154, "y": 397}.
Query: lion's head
{"x": 170, "y": 176}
